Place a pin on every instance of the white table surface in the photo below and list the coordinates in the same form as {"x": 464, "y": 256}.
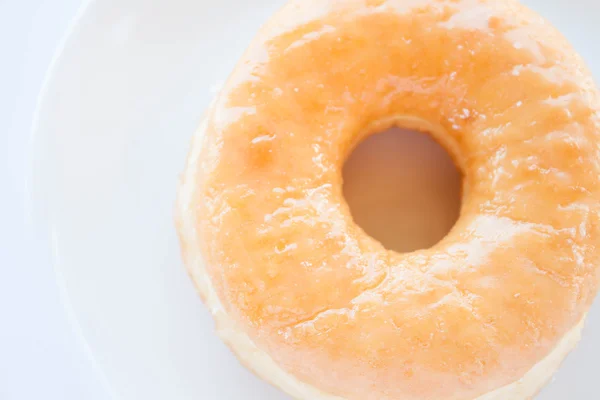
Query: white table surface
{"x": 40, "y": 355}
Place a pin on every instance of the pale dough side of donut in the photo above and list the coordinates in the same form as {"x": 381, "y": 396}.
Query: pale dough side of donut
{"x": 264, "y": 366}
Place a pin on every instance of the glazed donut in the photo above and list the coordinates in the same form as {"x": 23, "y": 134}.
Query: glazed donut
{"x": 314, "y": 305}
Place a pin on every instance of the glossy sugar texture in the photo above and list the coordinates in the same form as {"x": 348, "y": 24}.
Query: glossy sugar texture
{"x": 512, "y": 103}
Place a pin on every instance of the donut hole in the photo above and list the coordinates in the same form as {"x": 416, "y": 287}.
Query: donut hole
{"x": 403, "y": 189}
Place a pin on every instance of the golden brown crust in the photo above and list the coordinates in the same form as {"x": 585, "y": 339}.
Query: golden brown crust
{"x": 504, "y": 93}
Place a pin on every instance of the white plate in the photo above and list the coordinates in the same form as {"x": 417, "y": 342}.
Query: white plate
{"x": 114, "y": 122}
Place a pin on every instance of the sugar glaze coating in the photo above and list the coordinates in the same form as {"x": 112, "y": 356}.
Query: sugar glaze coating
{"x": 513, "y": 104}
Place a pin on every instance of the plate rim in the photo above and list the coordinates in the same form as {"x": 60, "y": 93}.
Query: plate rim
{"x": 38, "y": 221}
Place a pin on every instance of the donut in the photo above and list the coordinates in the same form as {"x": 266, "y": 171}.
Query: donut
{"x": 310, "y": 302}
